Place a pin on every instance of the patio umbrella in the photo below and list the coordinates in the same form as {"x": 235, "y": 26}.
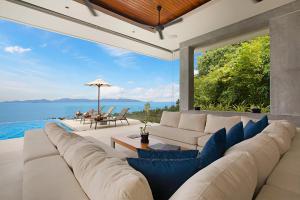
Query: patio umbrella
{"x": 99, "y": 83}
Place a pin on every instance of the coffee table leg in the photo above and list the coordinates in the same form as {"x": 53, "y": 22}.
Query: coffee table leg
{"x": 112, "y": 143}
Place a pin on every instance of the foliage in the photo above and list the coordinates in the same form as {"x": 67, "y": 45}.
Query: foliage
{"x": 152, "y": 115}
{"x": 234, "y": 77}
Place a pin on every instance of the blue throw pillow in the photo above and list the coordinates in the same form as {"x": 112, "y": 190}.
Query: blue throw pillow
{"x": 264, "y": 122}
{"x": 214, "y": 148}
{"x": 235, "y": 135}
{"x": 165, "y": 176}
{"x": 150, "y": 154}
{"x": 252, "y": 128}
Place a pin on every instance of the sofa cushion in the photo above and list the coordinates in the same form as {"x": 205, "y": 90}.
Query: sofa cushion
{"x": 275, "y": 193}
{"x": 194, "y": 122}
{"x": 50, "y": 178}
{"x": 265, "y": 153}
{"x": 203, "y": 139}
{"x": 235, "y": 135}
{"x": 264, "y": 122}
{"x": 165, "y": 176}
{"x": 170, "y": 119}
{"x": 279, "y": 133}
{"x": 157, "y": 154}
{"x": 55, "y": 132}
{"x": 214, "y": 148}
{"x": 105, "y": 177}
{"x": 286, "y": 175}
{"x": 295, "y": 145}
{"x": 232, "y": 177}
{"x": 70, "y": 153}
{"x": 290, "y": 126}
{"x": 37, "y": 145}
{"x": 180, "y": 135}
{"x": 251, "y": 129}
{"x": 66, "y": 141}
{"x": 215, "y": 123}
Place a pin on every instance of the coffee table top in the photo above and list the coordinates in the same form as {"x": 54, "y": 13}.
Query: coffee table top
{"x": 134, "y": 143}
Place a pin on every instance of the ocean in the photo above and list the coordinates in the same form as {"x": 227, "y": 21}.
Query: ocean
{"x": 17, "y": 118}
{"x": 15, "y": 112}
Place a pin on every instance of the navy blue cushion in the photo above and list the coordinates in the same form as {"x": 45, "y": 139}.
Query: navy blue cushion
{"x": 264, "y": 122}
{"x": 165, "y": 176}
{"x": 252, "y": 128}
{"x": 214, "y": 148}
{"x": 235, "y": 135}
{"x": 150, "y": 154}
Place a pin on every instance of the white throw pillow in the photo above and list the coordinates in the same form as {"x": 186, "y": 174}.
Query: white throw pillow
{"x": 170, "y": 119}
{"x": 215, "y": 123}
{"x": 194, "y": 122}
{"x": 232, "y": 177}
{"x": 280, "y": 134}
{"x": 105, "y": 177}
{"x": 265, "y": 153}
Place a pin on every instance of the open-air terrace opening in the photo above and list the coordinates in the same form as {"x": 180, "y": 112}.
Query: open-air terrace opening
{"x": 199, "y": 99}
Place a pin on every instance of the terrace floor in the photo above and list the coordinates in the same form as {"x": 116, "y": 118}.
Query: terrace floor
{"x": 11, "y": 160}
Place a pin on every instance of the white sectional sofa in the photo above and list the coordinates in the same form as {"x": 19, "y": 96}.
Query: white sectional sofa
{"x": 61, "y": 166}
{"x": 190, "y": 130}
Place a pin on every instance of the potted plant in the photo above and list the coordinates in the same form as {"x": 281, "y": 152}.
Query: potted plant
{"x": 255, "y": 109}
{"x": 143, "y": 130}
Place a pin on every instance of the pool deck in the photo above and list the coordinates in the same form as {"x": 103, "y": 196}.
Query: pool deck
{"x": 11, "y": 150}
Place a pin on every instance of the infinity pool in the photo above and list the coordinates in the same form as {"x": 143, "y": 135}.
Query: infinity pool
{"x": 10, "y": 130}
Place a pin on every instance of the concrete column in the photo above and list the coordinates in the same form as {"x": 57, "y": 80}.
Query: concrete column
{"x": 186, "y": 78}
{"x": 285, "y": 64}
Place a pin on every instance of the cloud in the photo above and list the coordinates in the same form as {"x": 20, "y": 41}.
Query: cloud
{"x": 16, "y": 49}
{"x": 114, "y": 51}
{"x": 123, "y": 58}
{"x": 161, "y": 93}
{"x": 43, "y": 45}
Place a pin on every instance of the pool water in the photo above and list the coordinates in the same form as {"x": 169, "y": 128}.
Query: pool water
{"x": 10, "y": 130}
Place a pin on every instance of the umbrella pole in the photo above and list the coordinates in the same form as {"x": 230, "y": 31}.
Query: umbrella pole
{"x": 98, "y": 100}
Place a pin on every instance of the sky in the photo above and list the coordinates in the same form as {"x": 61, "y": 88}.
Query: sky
{"x": 38, "y": 64}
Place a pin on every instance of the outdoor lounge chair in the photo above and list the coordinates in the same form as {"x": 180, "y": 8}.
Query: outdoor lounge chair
{"x": 99, "y": 118}
{"x": 121, "y": 116}
{"x": 87, "y": 115}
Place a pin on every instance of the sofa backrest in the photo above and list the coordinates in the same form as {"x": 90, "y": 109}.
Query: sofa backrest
{"x": 280, "y": 134}
{"x": 265, "y": 153}
{"x": 193, "y": 122}
{"x": 232, "y": 177}
{"x": 170, "y": 119}
{"x": 215, "y": 123}
{"x": 99, "y": 173}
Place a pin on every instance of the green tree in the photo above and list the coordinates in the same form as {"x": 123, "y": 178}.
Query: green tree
{"x": 235, "y": 75}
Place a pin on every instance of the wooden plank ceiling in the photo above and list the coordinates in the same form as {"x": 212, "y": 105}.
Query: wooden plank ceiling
{"x": 145, "y": 12}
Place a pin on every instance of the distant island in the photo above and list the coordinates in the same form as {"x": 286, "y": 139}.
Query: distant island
{"x": 66, "y": 100}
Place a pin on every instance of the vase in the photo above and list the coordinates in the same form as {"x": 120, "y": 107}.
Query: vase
{"x": 145, "y": 138}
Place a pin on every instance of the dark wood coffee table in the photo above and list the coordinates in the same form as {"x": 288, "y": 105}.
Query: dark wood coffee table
{"x": 134, "y": 143}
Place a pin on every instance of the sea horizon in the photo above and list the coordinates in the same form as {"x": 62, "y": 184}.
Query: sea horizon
{"x": 29, "y": 111}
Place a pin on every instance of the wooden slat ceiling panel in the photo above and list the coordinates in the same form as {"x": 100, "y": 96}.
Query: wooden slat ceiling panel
{"x": 144, "y": 11}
